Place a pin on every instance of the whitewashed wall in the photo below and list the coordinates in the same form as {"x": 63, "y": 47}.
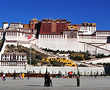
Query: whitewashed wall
{"x": 70, "y": 44}
{"x": 60, "y": 44}
{"x": 92, "y": 39}
{"x": 52, "y": 70}
{"x": 20, "y": 37}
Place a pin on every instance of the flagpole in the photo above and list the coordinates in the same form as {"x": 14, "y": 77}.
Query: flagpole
{"x": 29, "y": 37}
{"x": 30, "y": 53}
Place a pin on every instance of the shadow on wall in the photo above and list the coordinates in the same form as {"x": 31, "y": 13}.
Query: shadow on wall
{"x": 107, "y": 69}
{"x": 108, "y": 39}
{"x": 3, "y": 40}
{"x": 38, "y": 29}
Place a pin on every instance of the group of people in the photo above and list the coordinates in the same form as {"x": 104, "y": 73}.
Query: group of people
{"x": 21, "y": 76}
{"x": 47, "y": 78}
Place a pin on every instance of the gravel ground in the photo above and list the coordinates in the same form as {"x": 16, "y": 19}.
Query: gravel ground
{"x": 86, "y": 83}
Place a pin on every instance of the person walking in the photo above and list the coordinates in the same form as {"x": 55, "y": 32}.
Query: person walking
{"x": 14, "y": 75}
{"x": 28, "y": 74}
{"x": 78, "y": 80}
{"x": 3, "y": 77}
{"x": 51, "y": 81}
{"x": 22, "y": 75}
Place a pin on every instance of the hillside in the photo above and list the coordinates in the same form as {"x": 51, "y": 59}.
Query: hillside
{"x": 35, "y": 55}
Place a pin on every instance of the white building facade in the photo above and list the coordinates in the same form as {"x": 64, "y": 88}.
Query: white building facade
{"x": 84, "y": 39}
{"x": 13, "y": 59}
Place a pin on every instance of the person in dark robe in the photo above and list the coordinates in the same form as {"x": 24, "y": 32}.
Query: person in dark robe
{"x": 47, "y": 80}
{"x": 78, "y": 80}
{"x": 28, "y": 75}
{"x": 14, "y": 75}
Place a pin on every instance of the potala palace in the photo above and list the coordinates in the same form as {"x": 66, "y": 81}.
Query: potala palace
{"x": 57, "y": 34}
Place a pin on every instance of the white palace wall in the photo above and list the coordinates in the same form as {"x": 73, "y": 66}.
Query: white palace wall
{"x": 51, "y": 70}
{"x": 60, "y": 44}
{"x": 16, "y": 36}
{"x": 92, "y": 39}
{"x": 72, "y": 44}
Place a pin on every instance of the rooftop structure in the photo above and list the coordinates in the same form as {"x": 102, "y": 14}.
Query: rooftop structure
{"x": 53, "y": 26}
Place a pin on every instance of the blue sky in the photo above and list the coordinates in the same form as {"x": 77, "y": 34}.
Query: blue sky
{"x": 76, "y": 11}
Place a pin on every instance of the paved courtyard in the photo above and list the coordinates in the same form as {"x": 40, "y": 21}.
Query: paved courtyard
{"x": 87, "y": 83}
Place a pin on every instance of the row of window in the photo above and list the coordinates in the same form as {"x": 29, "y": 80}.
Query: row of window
{"x": 103, "y": 33}
{"x": 13, "y": 63}
{"x": 13, "y": 58}
{"x": 52, "y": 36}
{"x": 87, "y": 37}
{"x": 7, "y": 59}
{"x": 14, "y": 34}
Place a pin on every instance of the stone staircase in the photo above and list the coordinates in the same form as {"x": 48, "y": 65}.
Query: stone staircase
{"x": 98, "y": 47}
{"x": 93, "y": 49}
{"x": 42, "y": 51}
